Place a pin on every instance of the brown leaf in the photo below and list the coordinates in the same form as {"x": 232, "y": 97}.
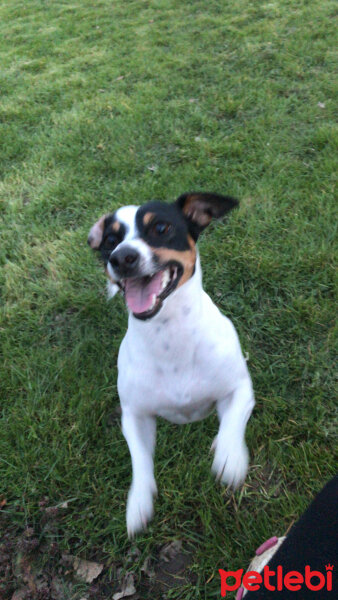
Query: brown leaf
{"x": 170, "y": 550}
{"x": 127, "y": 589}
{"x": 87, "y": 570}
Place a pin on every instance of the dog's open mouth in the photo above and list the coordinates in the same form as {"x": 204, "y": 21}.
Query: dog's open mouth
{"x": 144, "y": 295}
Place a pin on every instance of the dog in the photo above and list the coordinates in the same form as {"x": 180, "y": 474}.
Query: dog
{"x": 180, "y": 357}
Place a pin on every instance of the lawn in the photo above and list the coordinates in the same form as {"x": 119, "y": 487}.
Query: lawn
{"x": 110, "y": 103}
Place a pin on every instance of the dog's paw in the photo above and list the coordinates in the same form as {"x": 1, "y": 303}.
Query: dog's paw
{"x": 231, "y": 461}
{"x": 140, "y": 507}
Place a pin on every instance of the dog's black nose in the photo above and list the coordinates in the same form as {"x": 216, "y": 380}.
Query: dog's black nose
{"x": 124, "y": 260}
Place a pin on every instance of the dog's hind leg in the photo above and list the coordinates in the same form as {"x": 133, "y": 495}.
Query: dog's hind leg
{"x": 231, "y": 458}
{"x": 140, "y": 433}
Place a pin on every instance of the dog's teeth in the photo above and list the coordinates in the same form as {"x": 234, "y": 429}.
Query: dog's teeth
{"x": 165, "y": 279}
{"x": 153, "y": 302}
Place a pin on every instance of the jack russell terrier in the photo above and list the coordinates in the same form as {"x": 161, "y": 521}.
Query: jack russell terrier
{"x": 180, "y": 356}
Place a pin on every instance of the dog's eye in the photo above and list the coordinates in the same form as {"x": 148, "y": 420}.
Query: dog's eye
{"x": 160, "y": 228}
{"x": 110, "y": 241}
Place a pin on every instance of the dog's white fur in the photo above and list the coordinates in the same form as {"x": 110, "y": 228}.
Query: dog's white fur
{"x": 179, "y": 365}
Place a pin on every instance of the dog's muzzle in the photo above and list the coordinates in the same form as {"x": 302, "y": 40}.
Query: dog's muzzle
{"x": 143, "y": 292}
{"x": 125, "y": 261}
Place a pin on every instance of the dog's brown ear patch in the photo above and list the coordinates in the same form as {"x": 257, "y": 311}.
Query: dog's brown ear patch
{"x": 201, "y": 207}
{"x": 95, "y": 235}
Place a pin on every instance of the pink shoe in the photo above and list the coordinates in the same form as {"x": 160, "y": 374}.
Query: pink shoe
{"x": 263, "y": 554}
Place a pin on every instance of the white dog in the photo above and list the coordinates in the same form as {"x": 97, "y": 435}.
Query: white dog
{"x": 180, "y": 356}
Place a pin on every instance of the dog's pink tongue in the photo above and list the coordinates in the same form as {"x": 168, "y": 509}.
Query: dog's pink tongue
{"x": 139, "y": 292}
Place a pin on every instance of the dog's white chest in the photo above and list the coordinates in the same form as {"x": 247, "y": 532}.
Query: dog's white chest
{"x": 181, "y": 367}
{"x": 170, "y": 388}
{"x": 182, "y": 394}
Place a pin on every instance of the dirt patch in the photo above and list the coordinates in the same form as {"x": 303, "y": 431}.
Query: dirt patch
{"x": 33, "y": 567}
{"x": 170, "y": 569}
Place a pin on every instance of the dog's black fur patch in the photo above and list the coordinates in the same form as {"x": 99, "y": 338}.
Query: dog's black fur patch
{"x": 111, "y": 238}
{"x": 169, "y": 214}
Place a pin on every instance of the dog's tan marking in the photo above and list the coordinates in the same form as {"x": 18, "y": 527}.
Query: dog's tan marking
{"x": 187, "y": 258}
{"x": 148, "y": 217}
{"x": 116, "y": 226}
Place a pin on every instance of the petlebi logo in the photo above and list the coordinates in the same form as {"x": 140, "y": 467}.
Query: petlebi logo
{"x": 277, "y": 580}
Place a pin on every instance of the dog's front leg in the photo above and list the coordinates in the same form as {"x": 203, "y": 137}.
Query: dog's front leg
{"x": 140, "y": 433}
{"x": 231, "y": 458}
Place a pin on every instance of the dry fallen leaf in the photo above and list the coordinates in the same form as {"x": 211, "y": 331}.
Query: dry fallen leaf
{"x": 87, "y": 570}
{"x": 170, "y": 550}
{"x": 127, "y": 588}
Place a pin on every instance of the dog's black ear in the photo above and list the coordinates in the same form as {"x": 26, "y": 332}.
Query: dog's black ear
{"x": 200, "y": 207}
{"x": 96, "y": 233}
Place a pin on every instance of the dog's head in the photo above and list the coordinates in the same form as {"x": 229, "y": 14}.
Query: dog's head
{"x": 150, "y": 250}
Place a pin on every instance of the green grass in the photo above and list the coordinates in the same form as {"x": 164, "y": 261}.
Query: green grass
{"x": 111, "y": 103}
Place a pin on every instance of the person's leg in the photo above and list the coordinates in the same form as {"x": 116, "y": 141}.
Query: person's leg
{"x": 312, "y": 542}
